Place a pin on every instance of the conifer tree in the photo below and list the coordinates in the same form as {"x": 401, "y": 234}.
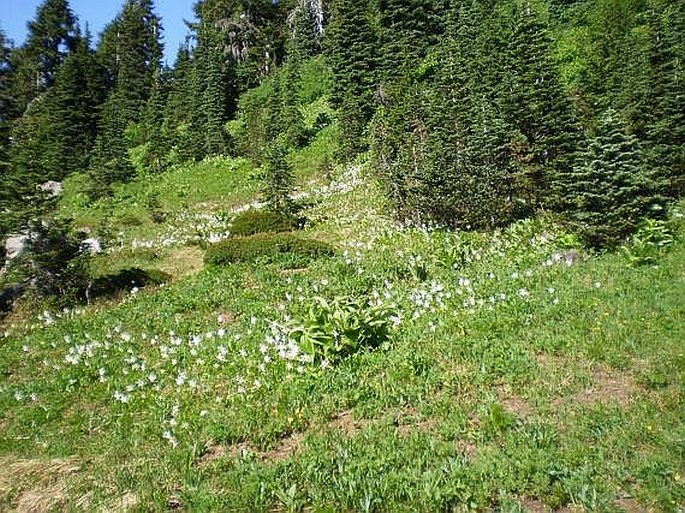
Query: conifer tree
{"x": 153, "y": 126}
{"x": 135, "y": 37}
{"x": 6, "y": 107}
{"x": 72, "y": 105}
{"x": 665, "y": 130}
{"x": 52, "y": 35}
{"x": 610, "y": 190}
{"x": 306, "y": 26}
{"x": 351, "y": 52}
{"x": 408, "y": 28}
{"x": 278, "y": 179}
{"x": 536, "y": 105}
{"x": 212, "y": 84}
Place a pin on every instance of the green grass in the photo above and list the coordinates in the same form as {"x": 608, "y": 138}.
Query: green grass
{"x": 507, "y": 384}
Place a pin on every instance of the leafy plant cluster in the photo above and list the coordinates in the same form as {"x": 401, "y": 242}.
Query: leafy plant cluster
{"x": 334, "y": 329}
{"x": 267, "y": 247}
{"x": 649, "y": 242}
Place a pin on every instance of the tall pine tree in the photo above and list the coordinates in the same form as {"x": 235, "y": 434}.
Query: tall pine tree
{"x": 351, "y": 51}
{"x": 135, "y": 39}
{"x": 610, "y": 189}
{"x": 52, "y": 35}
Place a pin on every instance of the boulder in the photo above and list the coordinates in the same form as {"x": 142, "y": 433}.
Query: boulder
{"x": 15, "y": 245}
{"x": 51, "y": 188}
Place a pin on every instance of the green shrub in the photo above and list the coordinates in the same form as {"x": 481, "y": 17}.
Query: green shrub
{"x": 267, "y": 247}
{"x": 335, "y": 329}
{"x": 647, "y": 244}
{"x": 263, "y": 221}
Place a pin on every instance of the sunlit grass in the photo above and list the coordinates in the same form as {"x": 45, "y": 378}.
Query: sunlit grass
{"x": 510, "y": 381}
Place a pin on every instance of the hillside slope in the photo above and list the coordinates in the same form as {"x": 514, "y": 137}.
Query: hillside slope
{"x": 508, "y": 379}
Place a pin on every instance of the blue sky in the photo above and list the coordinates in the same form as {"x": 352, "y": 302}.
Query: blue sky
{"x": 14, "y": 14}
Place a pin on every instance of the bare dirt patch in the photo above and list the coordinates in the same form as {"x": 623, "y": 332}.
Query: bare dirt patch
{"x": 607, "y": 386}
{"x": 185, "y": 261}
{"x": 37, "y": 485}
{"x": 513, "y": 403}
{"x": 632, "y": 506}
{"x": 467, "y": 449}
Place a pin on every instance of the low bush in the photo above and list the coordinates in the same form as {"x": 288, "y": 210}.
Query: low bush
{"x": 649, "y": 242}
{"x": 335, "y": 329}
{"x": 263, "y": 221}
{"x": 267, "y": 247}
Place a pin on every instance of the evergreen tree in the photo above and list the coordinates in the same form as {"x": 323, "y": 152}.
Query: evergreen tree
{"x": 6, "y": 108}
{"x": 52, "y": 35}
{"x": 351, "y": 52}
{"x": 211, "y": 81}
{"x": 278, "y": 179}
{"x": 665, "y": 129}
{"x": 306, "y": 26}
{"x": 135, "y": 38}
{"x": 536, "y": 105}
{"x": 178, "y": 110}
{"x": 610, "y": 191}
{"x": 408, "y": 28}
{"x": 154, "y": 138}
{"x": 253, "y": 35}
{"x": 72, "y": 104}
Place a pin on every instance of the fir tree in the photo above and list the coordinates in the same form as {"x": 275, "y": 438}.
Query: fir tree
{"x": 178, "y": 110}
{"x": 278, "y": 178}
{"x": 153, "y": 126}
{"x": 72, "y": 105}
{"x": 135, "y": 35}
{"x": 408, "y": 28}
{"x": 52, "y": 35}
{"x": 6, "y": 107}
{"x": 351, "y": 52}
{"x": 610, "y": 191}
{"x": 211, "y": 82}
{"x": 536, "y": 105}
{"x": 306, "y": 26}
{"x": 665, "y": 129}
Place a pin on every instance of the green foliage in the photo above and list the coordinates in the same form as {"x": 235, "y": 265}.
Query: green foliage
{"x": 55, "y": 262}
{"x": 351, "y": 51}
{"x": 278, "y": 179}
{"x": 610, "y": 190}
{"x": 263, "y": 221}
{"x": 134, "y": 38}
{"x": 444, "y": 150}
{"x": 649, "y": 242}
{"x": 333, "y": 330}
{"x": 266, "y": 247}
{"x": 154, "y": 208}
{"x": 52, "y": 35}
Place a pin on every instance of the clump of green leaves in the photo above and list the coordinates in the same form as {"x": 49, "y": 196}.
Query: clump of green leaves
{"x": 266, "y": 247}
{"x": 263, "y": 221}
{"x": 648, "y": 243}
{"x": 335, "y": 329}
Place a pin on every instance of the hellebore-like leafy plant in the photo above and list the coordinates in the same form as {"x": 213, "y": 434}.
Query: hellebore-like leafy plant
{"x": 335, "y": 329}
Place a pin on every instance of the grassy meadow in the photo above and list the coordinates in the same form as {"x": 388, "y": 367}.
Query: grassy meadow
{"x": 508, "y": 380}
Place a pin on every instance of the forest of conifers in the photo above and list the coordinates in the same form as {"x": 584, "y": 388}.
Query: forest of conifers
{"x": 473, "y": 112}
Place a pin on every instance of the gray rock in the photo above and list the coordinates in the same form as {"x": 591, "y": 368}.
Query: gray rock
{"x": 14, "y": 245}
{"x": 569, "y": 257}
{"x": 51, "y": 188}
